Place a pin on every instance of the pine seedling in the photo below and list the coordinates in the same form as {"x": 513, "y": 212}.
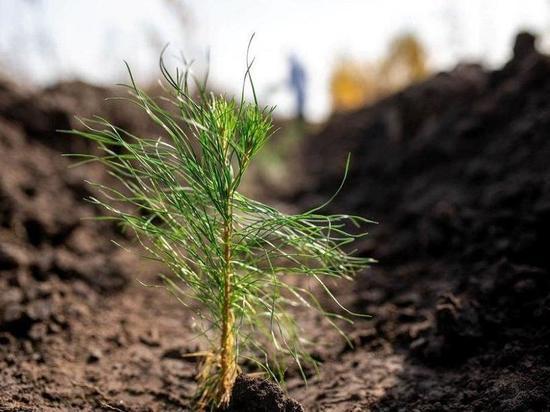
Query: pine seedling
{"x": 231, "y": 259}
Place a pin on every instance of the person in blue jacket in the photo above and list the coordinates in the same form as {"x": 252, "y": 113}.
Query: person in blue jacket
{"x": 298, "y": 82}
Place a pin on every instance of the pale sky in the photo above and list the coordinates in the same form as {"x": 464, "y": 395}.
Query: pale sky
{"x": 44, "y": 41}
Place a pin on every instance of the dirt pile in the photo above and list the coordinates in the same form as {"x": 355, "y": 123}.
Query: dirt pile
{"x": 52, "y": 261}
{"x": 456, "y": 171}
{"x": 42, "y": 231}
{"x": 41, "y": 114}
{"x": 260, "y": 395}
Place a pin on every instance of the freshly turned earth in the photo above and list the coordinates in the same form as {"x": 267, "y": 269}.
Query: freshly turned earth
{"x": 455, "y": 169}
{"x": 260, "y": 395}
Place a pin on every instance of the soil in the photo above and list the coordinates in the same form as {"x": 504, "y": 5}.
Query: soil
{"x": 454, "y": 169}
{"x": 260, "y": 395}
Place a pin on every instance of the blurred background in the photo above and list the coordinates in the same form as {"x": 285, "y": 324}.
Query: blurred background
{"x": 332, "y": 55}
{"x": 444, "y": 106}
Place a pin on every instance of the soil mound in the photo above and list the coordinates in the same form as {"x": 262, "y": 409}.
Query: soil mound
{"x": 42, "y": 232}
{"x": 260, "y": 395}
{"x": 456, "y": 171}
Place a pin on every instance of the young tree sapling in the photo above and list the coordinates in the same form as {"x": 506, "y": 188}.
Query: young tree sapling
{"x": 232, "y": 255}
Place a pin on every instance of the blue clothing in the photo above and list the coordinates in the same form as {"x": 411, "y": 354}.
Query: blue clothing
{"x": 298, "y": 85}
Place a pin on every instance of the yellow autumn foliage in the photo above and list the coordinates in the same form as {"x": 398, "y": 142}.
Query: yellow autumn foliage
{"x": 354, "y": 84}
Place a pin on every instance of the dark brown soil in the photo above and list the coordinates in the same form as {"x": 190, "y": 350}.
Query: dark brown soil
{"x": 455, "y": 170}
{"x": 260, "y": 395}
{"x": 77, "y": 331}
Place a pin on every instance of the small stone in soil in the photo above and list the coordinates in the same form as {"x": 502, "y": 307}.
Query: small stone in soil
{"x": 94, "y": 356}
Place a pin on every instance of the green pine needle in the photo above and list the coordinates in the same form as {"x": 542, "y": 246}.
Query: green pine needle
{"x": 228, "y": 253}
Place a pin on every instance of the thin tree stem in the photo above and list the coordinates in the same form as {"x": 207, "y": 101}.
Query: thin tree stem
{"x": 227, "y": 344}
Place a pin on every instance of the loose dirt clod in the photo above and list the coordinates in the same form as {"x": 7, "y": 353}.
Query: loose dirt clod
{"x": 260, "y": 395}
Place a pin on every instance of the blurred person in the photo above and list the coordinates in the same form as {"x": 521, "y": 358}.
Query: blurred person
{"x": 298, "y": 82}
